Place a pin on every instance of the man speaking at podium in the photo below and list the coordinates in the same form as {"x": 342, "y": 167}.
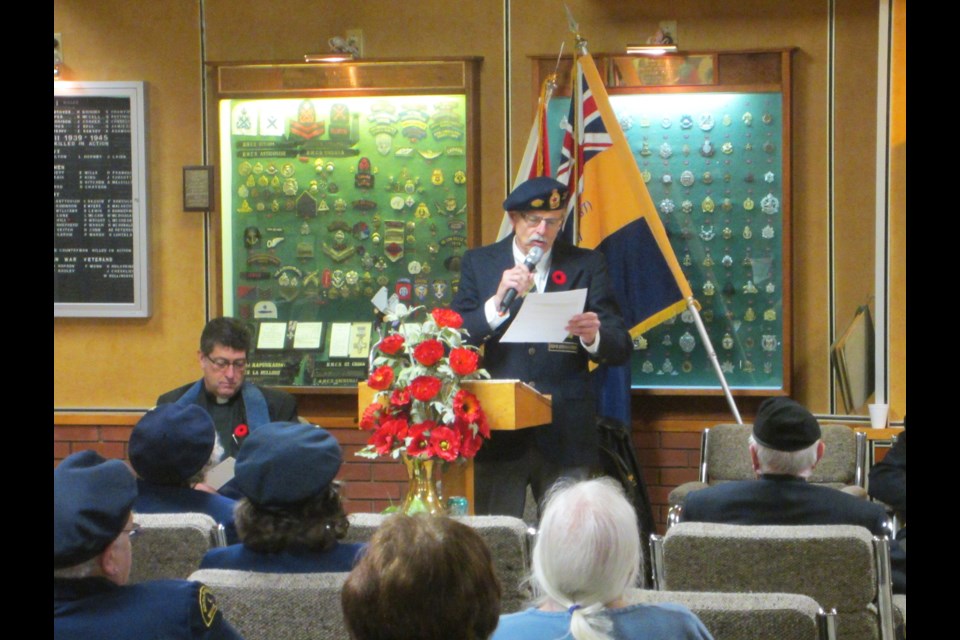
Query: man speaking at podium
{"x": 567, "y": 447}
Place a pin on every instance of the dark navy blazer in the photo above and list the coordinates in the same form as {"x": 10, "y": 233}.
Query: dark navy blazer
{"x": 92, "y": 608}
{"x": 559, "y": 369}
{"x": 240, "y": 558}
{"x": 157, "y": 498}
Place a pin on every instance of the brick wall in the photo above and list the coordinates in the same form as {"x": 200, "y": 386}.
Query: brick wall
{"x": 668, "y": 458}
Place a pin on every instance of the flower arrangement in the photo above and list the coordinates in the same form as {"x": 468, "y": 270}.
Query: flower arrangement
{"x": 419, "y": 410}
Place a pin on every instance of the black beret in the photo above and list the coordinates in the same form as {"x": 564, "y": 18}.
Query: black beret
{"x": 537, "y": 194}
{"x": 92, "y": 498}
{"x": 284, "y": 463}
{"x": 171, "y": 443}
{"x": 785, "y": 425}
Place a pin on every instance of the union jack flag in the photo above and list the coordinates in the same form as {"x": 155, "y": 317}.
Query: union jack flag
{"x": 594, "y": 139}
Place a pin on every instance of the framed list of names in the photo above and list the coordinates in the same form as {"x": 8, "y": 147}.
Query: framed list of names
{"x": 100, "y": 250}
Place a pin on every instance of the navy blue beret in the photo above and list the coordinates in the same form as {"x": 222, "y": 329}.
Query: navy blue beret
{"x": 171, "y": 443}
{"x": 785, "y": 425}
{"x": 537, "y": 194}
{"x": 284, "y": 463}
{"x": 92, "y": 498}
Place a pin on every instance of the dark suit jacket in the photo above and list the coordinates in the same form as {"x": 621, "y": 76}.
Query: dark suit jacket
{"x": 779, "y": 499}
{"x": 559, "y": 369}
{"x": 888, "y": 478}
{"x": 281, "y": 406}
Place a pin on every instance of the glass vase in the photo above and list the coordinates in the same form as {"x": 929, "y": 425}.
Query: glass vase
{"x": 422, "y": 495}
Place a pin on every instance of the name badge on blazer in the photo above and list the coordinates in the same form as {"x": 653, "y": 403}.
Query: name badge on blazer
{"x": 563, "y": 347}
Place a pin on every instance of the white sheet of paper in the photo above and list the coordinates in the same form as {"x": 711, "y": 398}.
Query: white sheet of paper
{"x": 543, "y": 316}
{"x": 272, "y": 335}
{"x": 340, "y": 340}
{"x": 308, "y": 335}
{"x": 221, "y": 474}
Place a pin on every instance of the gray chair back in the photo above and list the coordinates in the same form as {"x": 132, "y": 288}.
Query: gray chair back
{"x": 748, "y": 616}
{"x": 724, "y": 457}
{"x": 171, "y": 545}
{"x": 279, "y": 606}
{"x": 844, "y": 457}
{"x": 506, "y": 536}
{"x": 841, "y": 567}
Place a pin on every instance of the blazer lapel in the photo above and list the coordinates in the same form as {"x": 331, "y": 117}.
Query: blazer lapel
{"x": 561, "y": 274}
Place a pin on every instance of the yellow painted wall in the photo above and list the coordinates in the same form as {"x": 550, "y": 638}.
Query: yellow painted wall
{"x": 117, "y": 363}
{"x": 126, "y": 363}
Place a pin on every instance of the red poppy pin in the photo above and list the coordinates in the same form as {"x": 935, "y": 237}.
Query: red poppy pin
{"x": 559, "y": 278}
{"x": 240, "y": 432}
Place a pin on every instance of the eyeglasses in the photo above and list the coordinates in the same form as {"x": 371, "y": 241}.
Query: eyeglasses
{"x": 219, "y": 364}
{"x": 535, "y": 220}
{"x": 133, "y": 531}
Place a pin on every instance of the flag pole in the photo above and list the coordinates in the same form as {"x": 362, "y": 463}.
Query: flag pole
{"x": 575, "y": 168}
{"x": 712, "y": 354}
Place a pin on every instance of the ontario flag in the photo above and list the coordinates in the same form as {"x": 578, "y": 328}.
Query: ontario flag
{"x": 616, "y": 216}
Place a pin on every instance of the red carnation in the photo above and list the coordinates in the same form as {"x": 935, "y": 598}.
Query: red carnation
{"x": 241, "y": 431}
{"x": 371, "y": 416}
{"x": 428, "y": 352}
{"x": 470, "y": 442}
{"x": 463, "y": 361}
{"x": 382, "y": 440}
{"x": 482, "y": 425}
{"x": 391, "y": 344}
{"x": 400, "y": 398}
{"x": 559, "y": 277}
{"x": 381, "y": 378}
{"x": 445, "y": 443}
{"x": 398, "y": 427}
{"x": 447, "y": 318}
{"x": 419, "y": 441}
{"x": 466, "y": 406}
{"x": 425, "y": 388}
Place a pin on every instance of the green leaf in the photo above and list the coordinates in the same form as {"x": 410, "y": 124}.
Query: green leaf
{"x": 416, "y": 506}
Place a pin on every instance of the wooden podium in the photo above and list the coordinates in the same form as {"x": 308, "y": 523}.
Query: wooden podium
{"x": 509, "y": 405}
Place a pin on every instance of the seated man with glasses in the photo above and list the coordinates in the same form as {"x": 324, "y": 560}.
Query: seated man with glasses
{"x": 569, "y": 446}
{"x": 236, "y": 406}
{"x": 92, "y": 555}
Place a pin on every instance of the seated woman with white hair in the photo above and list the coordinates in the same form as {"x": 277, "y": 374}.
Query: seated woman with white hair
{"x": 586, "y": 556}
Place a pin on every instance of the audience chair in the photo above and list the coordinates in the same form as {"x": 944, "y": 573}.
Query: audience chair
{"x": 507, "y": 537}
{"x": 750, "y": 616}
{"x": 171, "y": 545}
{"x": 841, "y": 567}
{"x": 724, "y": 456}
{"x": 279, "y": 606}
{"x": 896, "y": 522}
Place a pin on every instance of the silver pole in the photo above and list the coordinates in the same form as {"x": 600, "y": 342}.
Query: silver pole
{"x": 712, "y": 354}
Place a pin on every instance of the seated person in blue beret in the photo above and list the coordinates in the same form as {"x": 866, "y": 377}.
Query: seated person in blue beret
{"x": 92, "y": 556}
{"x": 171, "y": 449}
{"x": 291, "y": 517}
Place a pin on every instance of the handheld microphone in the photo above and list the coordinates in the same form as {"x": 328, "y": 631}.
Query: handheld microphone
{"x": 530, "y": 262}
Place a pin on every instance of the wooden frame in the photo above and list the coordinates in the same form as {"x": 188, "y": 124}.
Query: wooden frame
{"x": 101, "y": 247}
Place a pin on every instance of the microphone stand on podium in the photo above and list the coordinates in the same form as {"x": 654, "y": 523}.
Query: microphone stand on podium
{"x": 509, "y": 404}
